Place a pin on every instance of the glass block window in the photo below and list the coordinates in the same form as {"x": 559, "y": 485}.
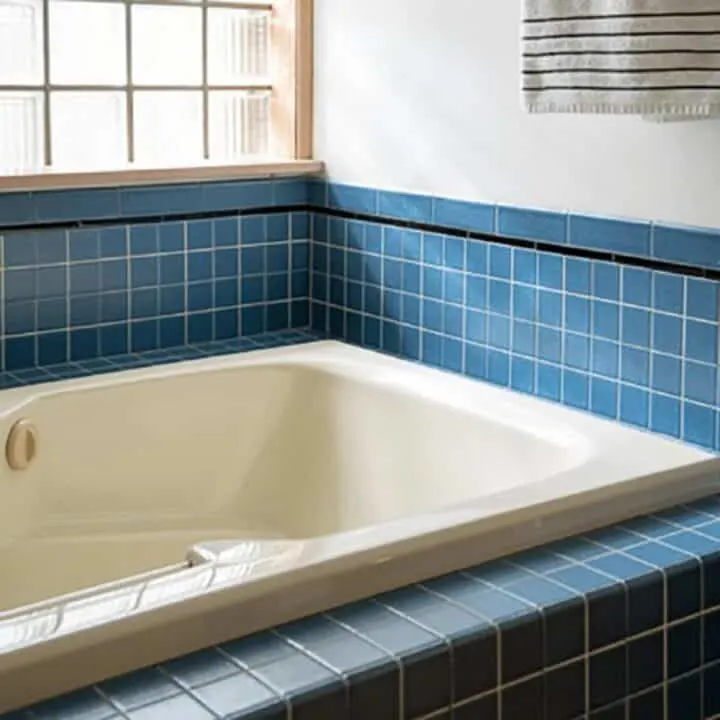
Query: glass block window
{"x": 94, "y": 86}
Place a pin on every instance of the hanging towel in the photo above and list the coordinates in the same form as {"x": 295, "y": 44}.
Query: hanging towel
{"x": 658, "y": 58}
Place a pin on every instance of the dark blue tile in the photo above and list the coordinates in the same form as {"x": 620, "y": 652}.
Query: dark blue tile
{"x": 711, "y": 690}
{"x": 565, "y": 631}
{"x": 565, "y": 692}
{"x": 608, "y": 677}
{"x": 405, "y": 206}
{"x": 533, "y": 224}
{"x": 20, "y": 249}
{"x": 465, "y": 215}
{"x": 486, "y": 707}
{"x": 684, "y": 644}
{"x": 114, "y": 340}
{"x": 161, "y": 200}
{"x": 19, "y": 353}
{"x": 522, "y": 645}
{"x": 525, "y": 700}
{"x": 200, "y": 328}
{"x": 76, "y": 204}
{"x": 646, "y": 661}
{"x": 646, "y": 603}
{"x": 52, "y": 348}
{"x": 607, "y": 617}
{"x": 375, "y": 694}
{"x": 711, "y": 636}
{"x": 647, "y": 706}
{"x": 687, "y": 246}
{"x": 685, "y": 698}
{"x": 293, "y": 191}
{"x": 20, "y": 284}
{"x": 16, "y": 208}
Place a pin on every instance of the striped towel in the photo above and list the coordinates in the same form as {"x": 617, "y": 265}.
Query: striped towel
{"x": 657, "y": 58}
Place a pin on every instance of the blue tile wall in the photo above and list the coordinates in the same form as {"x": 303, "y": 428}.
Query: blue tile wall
{"x": 618, "y": 318}
{"x": 633, "y": 343}
{"x": 98, "y": 273}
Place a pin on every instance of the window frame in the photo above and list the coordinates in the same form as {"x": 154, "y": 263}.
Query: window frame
{"x": 291, "y": 126}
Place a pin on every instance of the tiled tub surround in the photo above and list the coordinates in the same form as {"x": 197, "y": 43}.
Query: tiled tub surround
{"x": 98, "y": 273}
{"x": 201, "y": 518}
{"x": 590, "y": 312}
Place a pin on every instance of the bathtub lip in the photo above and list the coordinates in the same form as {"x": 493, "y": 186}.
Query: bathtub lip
{"x": 622, "y": 463}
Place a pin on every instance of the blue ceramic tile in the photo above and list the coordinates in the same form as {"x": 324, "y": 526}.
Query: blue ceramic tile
{"x": 618, "y": 236}
{"x": 522, "y": 644}
{"x": 637, "y": 286}
{"x": 524, "y": 700}
{"x": 225, "y": 234}
{"x": 667, "y": 333}
{"x": 605, "y": 358}
{"x": 549, "y": 308}
{"x": 645, "y": 603}
{"x": 658, "y": 556}
{"x": 577, "y": 314}
{"x": 684, "y": 643}
{"x": 649, "y": 704}
{"x": 700, "y": 382}
{"x": 476, "y": 217}
{"x": 699, "y": 424}
{"x": 581, "y": 579}
{"x": 577, "y": 351}
{"x": 236, "y": 195}
{"x": 701, "y": 341}
{"x": 524, "y": 266}
{"x": 634, "y": 406}
{"x": 576, "y": 389}
{"x": 523, "y": 337}
{"x": 161, "y": 200}
{"x": 578, "y": 276}
{"x": 139, "y": 688}
{"x": 565, "y": 690}
{"x": 549, "y": 382}
{"x": 237, "y": 696}
{"x": 685, "y": 698}
{"x": 352, "y": 198}
{"x": 182, "y": 706}
{"x": 606, "y": 281}
{"x": 498, "y": 368}
{"x": 635, "y": 365}
{"x": 702, "y": 299}
{"x": 81, "y": 705}
{"x": 532, "y": 224}
{"x": 636, "y": 327}
{"x": 57, "y": 205}
{"x": 606, "y": 320}
{"x": 669, "y": 293}
{"x": 645, "y": 662}
{"x": 454, "y": 255}
{"x": 405, "y": 206}
{"x": 492, "y": 605}
{"x": 16, "y": 208}
{"x": 665, "y": 415}
{"x": 687, "y": 246}
{"x": 604, "y": 397}
{"x": 293, "y": 191}
{"x": 607, "y": 677}
{"x": 667, "y": 374}
{"x": 550, "y": 271}
{"x": 476, "y": 260}
{"x": 500, "y": 261}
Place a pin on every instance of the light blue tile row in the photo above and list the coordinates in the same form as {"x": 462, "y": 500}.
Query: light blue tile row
{"x": 57, "y": 206}
{"x": 677, "y": 245}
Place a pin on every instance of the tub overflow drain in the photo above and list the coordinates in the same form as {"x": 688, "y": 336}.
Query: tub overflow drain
{"x": 21, "y": 445}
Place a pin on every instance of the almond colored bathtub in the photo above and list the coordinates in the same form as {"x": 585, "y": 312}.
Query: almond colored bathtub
{"x": 172, "y": 508}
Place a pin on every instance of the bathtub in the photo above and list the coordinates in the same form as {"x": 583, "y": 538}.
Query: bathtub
{"x": 153, "y": 512}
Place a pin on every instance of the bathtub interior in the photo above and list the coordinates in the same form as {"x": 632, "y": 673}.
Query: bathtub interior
{"x": 131, "y": 474}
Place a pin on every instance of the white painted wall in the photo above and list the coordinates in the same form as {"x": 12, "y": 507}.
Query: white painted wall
{"x": 422, "y": 95}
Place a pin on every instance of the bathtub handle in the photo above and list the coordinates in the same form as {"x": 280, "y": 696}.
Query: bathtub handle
{"x": 21, "y": 445}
